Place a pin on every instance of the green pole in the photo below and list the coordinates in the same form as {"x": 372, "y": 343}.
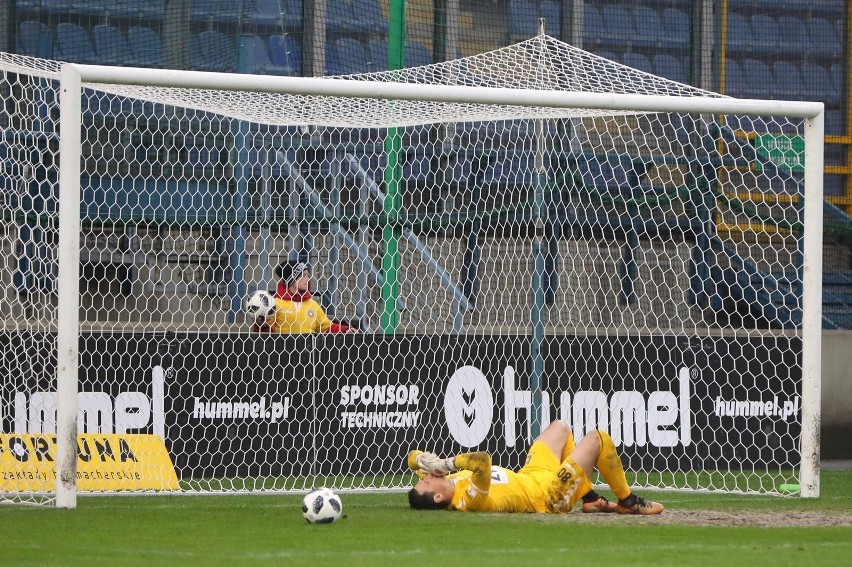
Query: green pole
{"x": 393, "y": 176}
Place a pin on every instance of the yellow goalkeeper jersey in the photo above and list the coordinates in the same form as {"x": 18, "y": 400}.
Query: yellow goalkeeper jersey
{"x": 299, "y": 317}
{"x": 481, "y": 487}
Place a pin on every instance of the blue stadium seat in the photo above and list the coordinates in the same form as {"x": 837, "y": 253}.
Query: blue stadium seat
{"x": 649, "y": 27}
{"x": 351, "y": 55}
{"x": 739, "y": 36}
{"x": 818, "y": 84}
{"x": 215, "y": 52}
{"x": 34, "y": 38}
{"x": 766, "y": 35}
{"x": 552, "y": 13}
{"x": 759, "y": 77}
{"x": 292, "y": 13}
{"x": 796, "y": 41}
{"x": 638, "y": 61}
{"x": 111, "y": 46}
{"x": 332, "y": 66}
{"x": 593, "y": 26}
{"x": 671, "y": 67}
{"x": 619, "y": 30}
{"x": 369, "y": 16}
{"x": 150, "y": 9}
{"x": 261, "y": 63}
{"x": 834, "y": 122}
{"x": 57, "y": 6}
{"x": 789, "y": 81}
{"x": 266, "y": 13}
{"x": 677, "y": 29}
{"x": 378, "y": 54}
{"x": 146, "y": 47}
{"x": 285, "y": 52}
{"x": 74, "y": 44}
{"x": 612, "y": 56}
{"x": 736, "y": 84}
{"x": 339, "y": 17}
{"x": 215, "y": 10}
{"x": 829, "y": 45}
{"x": 416, "y": 54}
{"x": 523, "y": 19}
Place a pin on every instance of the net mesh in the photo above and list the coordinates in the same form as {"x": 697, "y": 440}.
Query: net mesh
{"x": 634, "y": 272}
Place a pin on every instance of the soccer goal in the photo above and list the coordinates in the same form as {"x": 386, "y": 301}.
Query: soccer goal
{"x": 530, "y": 234}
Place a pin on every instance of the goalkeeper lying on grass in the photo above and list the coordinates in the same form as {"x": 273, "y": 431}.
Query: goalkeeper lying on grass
{"x": 553, "y": 479}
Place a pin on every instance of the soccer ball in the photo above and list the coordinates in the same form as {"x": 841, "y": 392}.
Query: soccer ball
{"x": 260, "y": 304}
{"x": 322, "y": 506}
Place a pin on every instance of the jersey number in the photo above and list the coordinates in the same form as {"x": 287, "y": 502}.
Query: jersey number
{"x": 499, "y": 476}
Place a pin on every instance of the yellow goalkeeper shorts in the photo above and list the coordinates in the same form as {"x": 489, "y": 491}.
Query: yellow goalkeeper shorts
{"x": 560, "y": 482}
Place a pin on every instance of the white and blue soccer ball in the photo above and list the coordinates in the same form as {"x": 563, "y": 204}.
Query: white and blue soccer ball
{"x": 322, "y": 506}
{"x": 260, "y": 304}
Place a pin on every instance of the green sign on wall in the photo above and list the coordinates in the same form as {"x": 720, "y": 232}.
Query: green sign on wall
{"x": 786, "y": 152}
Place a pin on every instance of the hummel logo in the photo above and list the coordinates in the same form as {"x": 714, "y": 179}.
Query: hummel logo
{"x": 468, "y": 412}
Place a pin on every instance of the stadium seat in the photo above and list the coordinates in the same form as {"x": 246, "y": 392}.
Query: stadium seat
{"x": 146, "y": 47}
{"x": 759, "y": 77}
{"x": 56, "y": 6}
{"x": 739, "y": 36}
{"x": 378, "y": 55}
{"x": 796, "y": 41}
{"x": 677, "y": 29}
{"x": 369, "y": 16}
{"x": 619, "y": 30}
{"x": 215, "y": 52}
{"x": 261, "y": 63}
{"x": 552, "y": 13}
{"x": 34, "y": 38}
{"x": 285, "y": 52}
{"x": 215, "y": 10}
{"x": 735, "y": 81}
{"x": 833, "y": 122}
{"x": 649, "y": 27}
{"x": 149, "y": 9}
{"x": 332, "y": 66}
{"x": 593, "y": 26}
{"x": 416, "y": 54}
{"x": 291, "y": 10}
{"x": 818, "y": 84}
{"x": 74, "y": 44}
{"x": 789, "y": 81}
{"x": 111, "y": 46}
{"x": 351, "y": 56}
{"x": 523, "y": 19}
{"x": 339, "y": 17}
{"x": 829, "y": 44}
{"x": 638, "y": 61}
{"x": 766, "y": 35}
{"x": 266, "y": 13}
{"x": 671, "y": 67}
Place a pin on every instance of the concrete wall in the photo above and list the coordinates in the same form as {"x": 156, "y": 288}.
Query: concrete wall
{"x": 837, "y": 395}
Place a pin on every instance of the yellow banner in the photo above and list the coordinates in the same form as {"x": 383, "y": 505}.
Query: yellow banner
{"x": 104, "y": 462}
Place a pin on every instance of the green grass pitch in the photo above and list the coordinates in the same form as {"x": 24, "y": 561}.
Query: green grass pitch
{"x": 696, "y": 529}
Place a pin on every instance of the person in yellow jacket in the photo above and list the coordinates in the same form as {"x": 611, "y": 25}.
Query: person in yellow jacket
{"x": 553, "y": 479}
{"x": 295, "y": 309}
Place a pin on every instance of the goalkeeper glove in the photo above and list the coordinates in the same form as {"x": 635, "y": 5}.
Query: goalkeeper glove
{"x": 430, "y": 463}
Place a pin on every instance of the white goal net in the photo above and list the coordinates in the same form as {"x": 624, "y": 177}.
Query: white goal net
{"x": 531, "y": 234}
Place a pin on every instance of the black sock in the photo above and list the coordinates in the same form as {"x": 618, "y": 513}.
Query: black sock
{"x": 629, "y": 501}
{"x": 591, "y": 496}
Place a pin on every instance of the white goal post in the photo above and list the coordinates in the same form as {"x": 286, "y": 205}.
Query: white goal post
{"x": 563, "y": 360}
